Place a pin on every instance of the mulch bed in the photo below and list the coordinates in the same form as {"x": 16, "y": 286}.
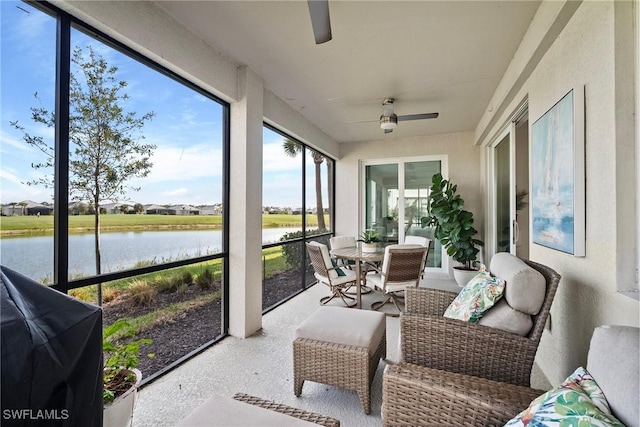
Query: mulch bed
{"x": 178, "y": 336}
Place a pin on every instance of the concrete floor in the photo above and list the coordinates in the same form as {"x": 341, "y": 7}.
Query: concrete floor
{"x": 261, "y": 365}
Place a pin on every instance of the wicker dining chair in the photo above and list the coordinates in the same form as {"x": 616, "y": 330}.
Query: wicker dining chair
{"x": 339, "y": 280}
{"x": 431, "y": 340}
{"x": 401, "y": 267}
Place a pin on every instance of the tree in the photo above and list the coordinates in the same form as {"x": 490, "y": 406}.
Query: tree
{"x": 139, "y": 208}
{"x": 291, "y": 149}
{"x": 105, "y": 142}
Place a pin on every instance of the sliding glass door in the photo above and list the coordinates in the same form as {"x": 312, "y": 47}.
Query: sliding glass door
{"x": 395, "y": 199}
{"x": 509, "y": 185}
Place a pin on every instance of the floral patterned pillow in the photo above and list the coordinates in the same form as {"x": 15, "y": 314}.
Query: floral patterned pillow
{"x": 577, "y": 401}
{"x": 479, "y": 295}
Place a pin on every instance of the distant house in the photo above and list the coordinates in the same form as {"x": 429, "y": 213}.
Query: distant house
{"x": 117, "y": 208}
{"x": 211, "y": 209}
{"x": 26, "y": 207}
{"x": 159, "y": 210}
{"x": 186, "y": 210}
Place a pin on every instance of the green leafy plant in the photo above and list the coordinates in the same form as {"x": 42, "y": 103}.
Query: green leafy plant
{"x": 453, "y": 226}
{"x": 369, "y": 236}
{"x": 120, "y": 358}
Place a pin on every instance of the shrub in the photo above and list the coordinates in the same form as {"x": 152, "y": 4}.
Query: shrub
{"x": 109, "y": 294}
{"x": 205, "y": 279}
{"x": 295, "y": 253}
{"x": 187, "y": 277}
{"x": 141, "y": 293}
{"x": 84, "y": 294}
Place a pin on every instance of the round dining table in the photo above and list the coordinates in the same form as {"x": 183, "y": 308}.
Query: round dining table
{"x": 356, "y": 254}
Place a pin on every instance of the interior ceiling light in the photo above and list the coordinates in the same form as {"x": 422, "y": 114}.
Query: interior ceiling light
{"x": 388, "y": 122}
{"x": 388, "y": 119}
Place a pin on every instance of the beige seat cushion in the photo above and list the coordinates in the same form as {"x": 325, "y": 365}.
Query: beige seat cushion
{"x": 614, "y": 363}
{"x": 340, "y": 325}
{"x": 225, "y": 411}
{"x": 327, "y": 259}
{"x": 526, "y": 287}
{"x": 502, "y": 316}
{"x": 349, "y": 276}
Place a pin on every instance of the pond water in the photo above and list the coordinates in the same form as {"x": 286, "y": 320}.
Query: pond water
{"x": 33, "y": 256}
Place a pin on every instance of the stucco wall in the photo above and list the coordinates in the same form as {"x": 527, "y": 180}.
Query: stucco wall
{"x": 463, "y": 166}
{"x": 584, "y": 54}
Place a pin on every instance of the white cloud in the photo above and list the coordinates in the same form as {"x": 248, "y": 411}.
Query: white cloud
{"x": 177, "y": 164}
{"x": 12, "y": 141}
{"x": 275, "y": 160}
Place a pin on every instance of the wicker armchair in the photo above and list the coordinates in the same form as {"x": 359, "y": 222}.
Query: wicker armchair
{"x": 415, "y": 396}
{"x": 431, "y": 340}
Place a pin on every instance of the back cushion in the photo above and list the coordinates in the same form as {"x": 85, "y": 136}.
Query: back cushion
{"x": 526, "y": 287}
{"x": 614, "y": 363}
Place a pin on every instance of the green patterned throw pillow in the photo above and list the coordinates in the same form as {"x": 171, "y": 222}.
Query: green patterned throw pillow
{"x": 338, "y": 269}
{"x": 578, "y": 401}
{"x": 479, "y": 295}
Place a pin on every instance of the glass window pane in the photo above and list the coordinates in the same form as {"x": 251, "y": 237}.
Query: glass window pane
{"x": 417, "y": 181}
{"x": 503, "y": 202}
{"x": 28, "y": 87}
{"x": 281, "y": 270}
{"x": 317, "y": 190}
{"x": 281, "y": 187}
{"x": 178, "y": 309}
{"x": 381, "y": 186}
{"x": 149, "y": 153}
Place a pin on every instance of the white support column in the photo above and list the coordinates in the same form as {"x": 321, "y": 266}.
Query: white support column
{"x": 245, "y": 207}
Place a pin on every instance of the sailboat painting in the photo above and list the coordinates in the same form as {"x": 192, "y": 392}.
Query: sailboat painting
{"x": 554, "y": 191}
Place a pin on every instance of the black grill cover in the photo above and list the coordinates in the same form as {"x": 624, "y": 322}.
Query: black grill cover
{"x": 51, "y": 356}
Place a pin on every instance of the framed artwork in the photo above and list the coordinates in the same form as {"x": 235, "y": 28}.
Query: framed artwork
{"x": 558, "y": 176}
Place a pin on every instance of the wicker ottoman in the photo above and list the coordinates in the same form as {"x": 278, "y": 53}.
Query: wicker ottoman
{"x": 340, "y": 347}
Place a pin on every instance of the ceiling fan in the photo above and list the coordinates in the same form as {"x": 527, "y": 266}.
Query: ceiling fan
{"x": 319, "y": 12}
{"x": 389, "y": 120}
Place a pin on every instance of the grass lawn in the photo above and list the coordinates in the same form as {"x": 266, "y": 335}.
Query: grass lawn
{"x": 11, "y": 225}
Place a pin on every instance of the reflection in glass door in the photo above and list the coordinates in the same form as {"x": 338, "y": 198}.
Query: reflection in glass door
{"x": 509, "y": 181}
{"x": 503, "y": 230}
{"x": 395, "y": 199}
{"x": 381, "y": 193}
{"x": 417, "y": 181}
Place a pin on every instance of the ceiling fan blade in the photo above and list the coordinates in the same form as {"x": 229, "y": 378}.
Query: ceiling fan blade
{"x": 360, "y": 121}
{"x": 417, "y": 117}
{"x": 319, "y": 12}
{"x": 388, "y": 130}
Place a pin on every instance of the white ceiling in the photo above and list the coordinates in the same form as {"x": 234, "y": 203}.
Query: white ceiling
{"x": 432, "y": 56}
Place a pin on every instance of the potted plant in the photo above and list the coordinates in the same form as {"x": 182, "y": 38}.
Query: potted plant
{"x": 453, "y": 227}
{"x": 369, "y": 239}
{"x": 121, "y": 376}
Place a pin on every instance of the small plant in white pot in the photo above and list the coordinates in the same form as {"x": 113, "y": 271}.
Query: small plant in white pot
{"x": 453, "y": 227}
{"x": 369, "y": 239}
{"x": 121, "y": 376}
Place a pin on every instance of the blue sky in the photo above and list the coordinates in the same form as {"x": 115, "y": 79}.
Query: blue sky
{"x": 187, "y": 127}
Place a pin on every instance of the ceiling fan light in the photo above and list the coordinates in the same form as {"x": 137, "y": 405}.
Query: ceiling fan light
{"x": 388, "y": 122}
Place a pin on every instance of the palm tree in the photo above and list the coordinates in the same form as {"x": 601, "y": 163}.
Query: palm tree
{"x": 291, "y": 149}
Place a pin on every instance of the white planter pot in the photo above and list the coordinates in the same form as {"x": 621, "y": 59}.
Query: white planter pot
{"x": 463, "y": 276}
{"x": 119, "y": 413}
{"x": 369, "y": 247}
